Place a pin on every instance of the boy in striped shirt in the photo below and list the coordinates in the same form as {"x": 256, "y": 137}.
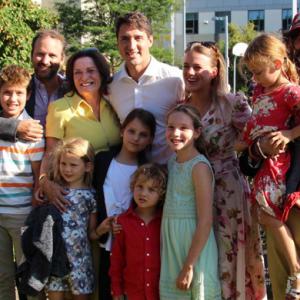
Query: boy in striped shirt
{"x": 19, "y": 172}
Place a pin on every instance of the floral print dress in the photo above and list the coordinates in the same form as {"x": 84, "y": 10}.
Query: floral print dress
{"x": 75, "y": 234}
{"x": 272, "y": 112}
{"x": 240, "y": 259}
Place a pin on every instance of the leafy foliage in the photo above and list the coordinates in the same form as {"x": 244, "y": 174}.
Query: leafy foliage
{"x": 19, "y": 20}
{"x": 93, "y": 23}
{"x": 238, "y": 34}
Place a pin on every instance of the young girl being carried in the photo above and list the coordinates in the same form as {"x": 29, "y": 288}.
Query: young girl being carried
{"x": 189, "y": 267}
{"x": 276, "y": 102}
{"x": 135, "y": 259}
{"x": 113, "y": 170}
{"x": 73, "y": 169}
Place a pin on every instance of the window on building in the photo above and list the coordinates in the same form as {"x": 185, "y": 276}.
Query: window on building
{"x": 191, "y": 23}
{"x": 257, "y": 17}
{"x": 220, "y": 21}
{"x": 286, "y": 18}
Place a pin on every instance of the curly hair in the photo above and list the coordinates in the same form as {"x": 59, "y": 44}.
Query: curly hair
{"x": 14, "y": 74}
{"x": 151, "y": 171}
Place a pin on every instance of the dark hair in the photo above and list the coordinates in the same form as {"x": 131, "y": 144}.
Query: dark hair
{"x": 135, "y": 19}
{"x": 148, "y": 120}
{"x": 54, "y": 34}
{"x": 100, "y": 62}
{"x": 194, "y": 114}
{"x": 293, "y": 54}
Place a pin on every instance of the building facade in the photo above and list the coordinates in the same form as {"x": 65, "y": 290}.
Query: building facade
{"x": 204, "y": 19}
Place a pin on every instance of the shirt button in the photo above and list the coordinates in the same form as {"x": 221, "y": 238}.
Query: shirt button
{"x": 147, "y": 239}
{"x": 147, "y": 254}
{"x": 142, "y": 224}
{"x": 147, "y": 284}
{"x": 147, "y": 270}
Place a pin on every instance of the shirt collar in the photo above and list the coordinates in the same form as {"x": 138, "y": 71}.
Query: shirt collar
{"x": 131, "y": 212}
{"x": 150, "y": 71}
{"x": 79, "y": 102}
{"x": 39, "y": 84}
{"x": 22, "y": 116}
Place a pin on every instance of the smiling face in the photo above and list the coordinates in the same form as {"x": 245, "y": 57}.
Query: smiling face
{"x": 87, "y": 79}
{"x": 13, "y": 99}
{"x": 180, "y": 133}
{"x": 47, "y": 56}
{"x": 198, "y": 71}
{"x": 146, "y": 193}
{"x": 134, "y": 47}
{"x": 72, "y": 169}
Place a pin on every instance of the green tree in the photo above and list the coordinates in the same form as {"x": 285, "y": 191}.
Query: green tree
{"x": 94, "y": 22}
{"x": 19, "y": 20}
{"x": 238, "y": 34}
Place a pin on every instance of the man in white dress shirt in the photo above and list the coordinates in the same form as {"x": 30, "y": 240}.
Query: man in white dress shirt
{"x": 142, "y": 81}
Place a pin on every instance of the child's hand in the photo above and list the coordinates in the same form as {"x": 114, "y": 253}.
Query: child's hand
{"x": 118, "y": 298}
{"x": 184, "y": 279}
{"x": 279, "y": 139}
{"x": 116, "y": 228}
{"x": 105, "y": 226}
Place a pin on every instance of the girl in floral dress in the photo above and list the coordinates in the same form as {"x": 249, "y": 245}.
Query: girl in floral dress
{"x": 73, "y": 168}
{"x": 223, "y": 117}
{"x": 276, "y": 102}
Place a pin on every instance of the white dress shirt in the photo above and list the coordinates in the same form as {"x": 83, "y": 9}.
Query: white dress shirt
{"x": 117, "y": 193}
{"x": 158, "y": 90}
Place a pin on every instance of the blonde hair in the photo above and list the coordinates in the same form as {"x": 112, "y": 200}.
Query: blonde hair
{"x": 151, "y": 171}
{"x": 219, "y": 85}
{"x": 14, "y": 74}
{"x": 264, "y": 50}
{"x": 77, "y": 147}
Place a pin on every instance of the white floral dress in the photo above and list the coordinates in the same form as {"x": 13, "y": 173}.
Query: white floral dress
{"x": 75, "y": 234}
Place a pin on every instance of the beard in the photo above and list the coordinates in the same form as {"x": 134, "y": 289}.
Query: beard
{"x": 44, "y": 74}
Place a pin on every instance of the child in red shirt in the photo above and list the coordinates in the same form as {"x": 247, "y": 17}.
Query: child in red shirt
{"x": 135, "y": 258}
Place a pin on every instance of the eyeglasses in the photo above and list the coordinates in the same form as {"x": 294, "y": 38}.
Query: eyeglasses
{"x": 206, "y": 44}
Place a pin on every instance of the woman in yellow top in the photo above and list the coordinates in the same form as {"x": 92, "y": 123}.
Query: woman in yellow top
{"x": 83, "y": 112}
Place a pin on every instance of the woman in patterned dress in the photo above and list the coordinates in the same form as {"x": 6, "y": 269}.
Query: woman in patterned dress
{"x": 223, "y": 118}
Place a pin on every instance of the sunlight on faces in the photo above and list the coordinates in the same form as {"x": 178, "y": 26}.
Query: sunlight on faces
{"x": 72, "y": 169}
{"x": 146, "y": 193}
{"x": 47, "y": 57}
{"x": 13, "y": 99}
{"x": 87, "y": 79}
{"x": 266, "y": 74}
{"x": 134, "y": 45}
{"x": 180, "y": 133}
{"x": 198, "y": 71}
{"x": 136, "y": 136}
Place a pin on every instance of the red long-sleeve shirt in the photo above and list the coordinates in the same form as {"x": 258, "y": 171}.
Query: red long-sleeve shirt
{"x": 135, "y": 258}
